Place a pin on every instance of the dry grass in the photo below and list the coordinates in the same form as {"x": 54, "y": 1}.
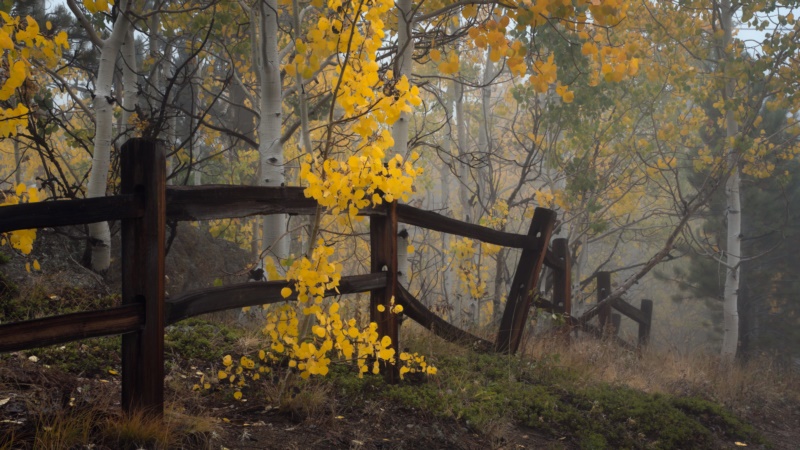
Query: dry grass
{"x": 756, "y": 384}
{"x": 139, "y": 430}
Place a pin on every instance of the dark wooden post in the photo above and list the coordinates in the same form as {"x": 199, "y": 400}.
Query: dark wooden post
{"x": 616, "y": 321}
{"x": 523, "y": 288}
{"x": 562, "y": 279}
{"x": 644, "y": 328}
{"x": 603, "y": 290}
{"x": 383, "y": 242}
{"x": 143, "y": 169}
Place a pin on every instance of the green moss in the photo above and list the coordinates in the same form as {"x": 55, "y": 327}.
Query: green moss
{"x": 479, "y": 389}
{"x": 200, "y": 339}
{"x": 87, "y": 357}
{"x": 37, "y": 301}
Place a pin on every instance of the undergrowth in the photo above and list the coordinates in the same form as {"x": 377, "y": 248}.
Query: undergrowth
{"x": 479, "y": 389}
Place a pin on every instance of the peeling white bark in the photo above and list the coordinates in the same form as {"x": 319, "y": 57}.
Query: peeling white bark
{"x": 405, "y": 44}
{"x": 270, "y": 149}
{"x": 104, "y": 117}
{"x": 730, "y": 340}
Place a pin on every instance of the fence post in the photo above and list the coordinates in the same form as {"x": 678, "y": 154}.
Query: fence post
{"x": 562, "y": 279}
{"x": 383, "y": 243}
{"x": 603, "y": 290}
{"x": 143, "y": 170}
{"x": 526, "y": 278}
{"x": 616, "y": 321}
{"x": 644, "y": 328}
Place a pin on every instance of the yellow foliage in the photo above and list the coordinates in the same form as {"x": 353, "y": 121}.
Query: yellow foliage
{"x": 21, "y": 240}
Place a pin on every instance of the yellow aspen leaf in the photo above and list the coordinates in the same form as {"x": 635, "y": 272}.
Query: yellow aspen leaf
{"x": 589, "y": 48}
{"x": 28, "y": 267}
{"x": 36, "y": 265}
{"x": 381, "y": 308}
{"x": 237, "y": 395}
{"x": 5, "y": 41}
{"x": 286, "y": 292}
{"x": 222, "y": 375}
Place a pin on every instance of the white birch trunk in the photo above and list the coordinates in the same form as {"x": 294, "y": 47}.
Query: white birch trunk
{"x": 99, "y": 233}
{"x": 733, "y": 251}
{"x": 270, "y": 148}
{"x": 400, "y": 128}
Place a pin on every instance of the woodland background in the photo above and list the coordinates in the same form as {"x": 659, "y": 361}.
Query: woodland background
{"x": 663, "y": 133}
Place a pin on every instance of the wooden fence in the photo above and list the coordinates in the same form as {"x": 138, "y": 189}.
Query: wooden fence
{"x": 610, "y": 322}
{"x": 144, "y": 205}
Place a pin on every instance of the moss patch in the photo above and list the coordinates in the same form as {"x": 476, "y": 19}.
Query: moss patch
{"x": 479, "y": 389}
{"x": 198, "y": 339}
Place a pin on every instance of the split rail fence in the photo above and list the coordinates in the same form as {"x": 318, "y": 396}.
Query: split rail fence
{"x": 145, "y": 204}
{"x": 610, "y": 322}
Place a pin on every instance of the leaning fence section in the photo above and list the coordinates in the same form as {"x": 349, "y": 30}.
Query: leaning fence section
{"x": 144, "y": 206}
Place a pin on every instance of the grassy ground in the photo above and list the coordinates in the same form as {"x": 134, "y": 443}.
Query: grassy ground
{"x": 587, "y": 394}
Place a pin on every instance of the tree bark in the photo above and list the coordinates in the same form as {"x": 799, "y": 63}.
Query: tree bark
{"x": 270, "y": 148}
{"x": 99, "y": 233}
{"x": 404, "y": 60}
{"x": 733, "y": 250}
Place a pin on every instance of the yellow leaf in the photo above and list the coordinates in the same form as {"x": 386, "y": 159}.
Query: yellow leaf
{"x": 237, "y": 395}
{"x": 113, "y": 372}
{"x": 222, "y": 375}
{"x": 286, "y": 292}
{"x": 36, "y": 265}
{"x": 740, "y": 444}
{"x": 28, "y": 267}
{"x": 381, "y": 308}
{"x": 410, "y": 249}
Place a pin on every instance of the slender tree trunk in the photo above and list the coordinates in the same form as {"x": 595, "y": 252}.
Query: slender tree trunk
{"x": 100, "y": 236}
{"x": 269, "y": 127}
{"x": 405, "y": 44}
{"x": 733, "y": 251}
{"x": 463, "y": 166}
{"x": 130, "y": 75}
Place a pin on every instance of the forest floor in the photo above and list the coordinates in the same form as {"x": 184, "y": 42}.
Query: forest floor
{"x": 589, "y": 394}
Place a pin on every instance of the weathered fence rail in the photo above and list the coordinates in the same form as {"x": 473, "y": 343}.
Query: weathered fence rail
{"x": 146, "y": 203}
{"x": 610, "y": 322}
